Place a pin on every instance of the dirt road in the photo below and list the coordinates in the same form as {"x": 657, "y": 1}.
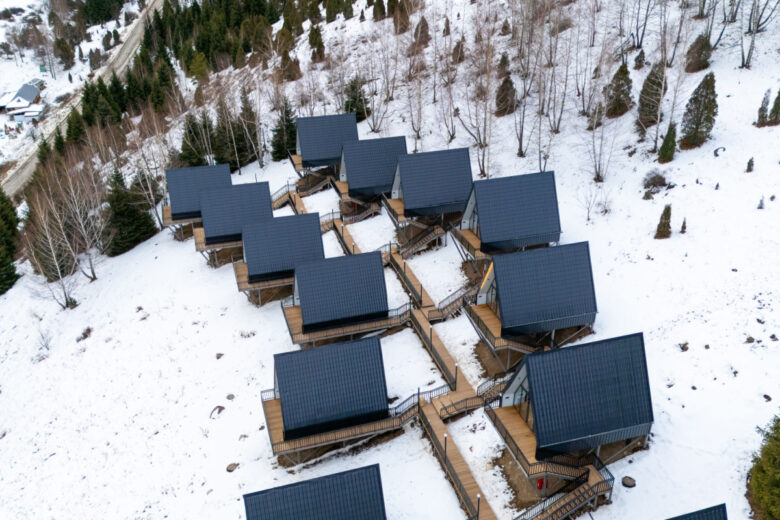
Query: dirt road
{"x": 119, "y": 60}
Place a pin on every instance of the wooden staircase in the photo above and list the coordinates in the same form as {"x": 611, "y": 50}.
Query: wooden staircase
{"x": 421, "y": 242}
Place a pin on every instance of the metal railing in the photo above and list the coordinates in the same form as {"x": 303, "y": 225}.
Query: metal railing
{"x": 282, "y": 192}
{"x": 471, "y": 510}
{"x": 416, "y": 291}
{"x": 269, "y": 395}
{"x": 553, "y": 501}
{"x": 495, "y": 342}
{"x": 314, "y": 187}
{"x": 539, "y": 468}
{"x": 372, "y": 209}
{"x": 390, "y": 211}
{"x": 413, "y": 399}
{"x": 427, "y": 338}
{"x": 468, "y": 246}
{"x": 421, "y": 241}
{"x": 486, "y": 391}
{"x": 455, "y": 301}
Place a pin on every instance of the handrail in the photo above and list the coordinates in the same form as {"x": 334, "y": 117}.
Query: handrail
{"x": 288, "y": 301}
{"x": 410, "y": 401}
{"x": 269, "y": 395}
{"x": 548, "y": 502}
{"x": 281, "y": 192}
{"x": 485, "y": 392}
{"x": 315, "y": 187}
{"x": 486, "y": 386}
{"x": 428, "y": 341}
{"x": 483, "y": 329}
{"x": 417, "y": 295}
{"x": 393, "y": 214}
{"x": 460, "y": 489}
{"x": 387, "y": 248}
{"x": 370, "y": 210}
{"x": 421, "y": 241}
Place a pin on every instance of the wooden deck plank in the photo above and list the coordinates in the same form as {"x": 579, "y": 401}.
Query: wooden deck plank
{"x": 294, "y": 318}
{"x": 242, "y": 279}
{"x": 297, "y": 162}
{"x": 519, "y": 430}
{"x": 297, "y": 203}
{"x": 469, "y": 240}
{"x": 169, "y": 221}
{"x": 273, "y": 420}
{"x": 397, "y": 208}
{"x": 411, "y": 282}
{"x": 342, "y": 188}
{"x": 200, "y": 242}
{"x": 347, "y": 242}
{"x": 458, "y": 463}
{"x": 489, "y": 318}
{"x": 439, "y": 348}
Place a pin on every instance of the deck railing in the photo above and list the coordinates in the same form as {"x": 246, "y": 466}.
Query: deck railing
{"x": 421, "y": 241}
{"x": 552, "y": 501}
{"x": 371, "y": 209}
{"x": 539, "y": 468}
{"x": 471, "y": 510}
{"x": 470, "y": 249}
{"x": 416, "y": 291}
{"x": 282, "y": 192}
{"x": 427, "y": 338}
{"x": 455, "y": 301}
{"x": 414, "y": 399}
{"x": 486, "y": 391}
{"x": 314, "y": 187}
{"x": 495, "y": 342}
{"x": 390, "y": 210}
{"x": 269, "y": 395}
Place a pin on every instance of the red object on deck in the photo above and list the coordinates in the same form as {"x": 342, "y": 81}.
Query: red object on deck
{"x": 540, "y": 484}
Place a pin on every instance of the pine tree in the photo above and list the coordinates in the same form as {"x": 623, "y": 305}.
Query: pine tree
{"x": 503, "y": 66}
{"x": 651, "y": 95}
{"x": 506, "y": 97}
{"x": 129, "y": 221}
{"x": 356, "y": 100}
{"x": 293, "y": 21}
{"x": 392, "y": 7}
{"x": 750, "y": 165}
{"x": 401, "y": 21}
{"x": 774, "y": 114}
{"x": 59, "y": 142}
{"x": 666, "y": 152}
{"x": 8, "y": 234}
{"x": 617, "y": 94}
{"x": 505, "y": 28}
{"x": 199, "y": 67}
{"x": 75, "y": 131}
{"x": 346, "y": 9}
{"x": 684, "y": 227}
{"x": 157, "y": 96}
{"x": 698, "y": 56}
{"x": 765, "y": 473}
{"x": 43, "y": 151}
{"x": 379, "y": 10}
{"x": 422, "y": 35}
{"x": 446, "y": 31}
{"x": 459, "y": 50}
{"x": 700, "y": 112}
{"x": 331, "y": 10}
{"x": 763, "y": 110}
{"x": 246, "y": 131}
{"x": 664, "y": 229}
{"x": 192, "y": 151}
{"x": 316, "y": 44}
{"x": 285, "y": 133}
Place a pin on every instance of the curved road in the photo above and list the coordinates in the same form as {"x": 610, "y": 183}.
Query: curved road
{"x": 119, "y": 60}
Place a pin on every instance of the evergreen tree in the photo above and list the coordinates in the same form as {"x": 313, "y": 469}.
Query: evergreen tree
{"x": 379, "y": 10}
{"x": 698, "y": 56}
{"x": 346, "y": 9}
{"x": 362, "y": 16}
{"x": 129, "y": 221}
{"x": 446, "y": 31}
{"x": 293, "y": 21}
{"x": 700, "y": 112}
{"x": 392, "y": 7}
{"x": 617, "y": 94}
{"x": 192, "y": 151}
{"x": 331, "y": 10}
{"x": 285, "y": 133}
{"x": 664, "y": 229}
{"x": 356, "y": 100}
{"x": 639, "y": 61}
{"x": 650, "y": 97}
{"x": 117, "y": 92}
{"x": 246, "y": 131}
{"x": 75, "y": 131}
{"x": 422, "y": 35}
{"x": 199, "y": 67}
{"x": 401, "y": 21}
{"x": 43, "y": 151}
{"x": 59, "y": 142}
{"x": 505, "y": 28}
{"x": 64, "y": 52}
{"x": 506, "y": 97}
{"x": 313, "y": 12}
{"x": 666, "y": 152}
{"x": 750, "y": 165}
{"x": 8, "y": 234}
{"x": 157, "y": 96}
{"x": 763, "y": 110}
{"x": 503, "y": 65}
{"x": 763, "y": 485}
{"x": 316, "y": 44}
{"x": 774, "y": 114}
{"x": 684, "y": 227}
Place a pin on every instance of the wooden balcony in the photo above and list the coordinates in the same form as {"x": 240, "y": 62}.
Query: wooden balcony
{"x": 297, "y": 163}
{"x": 395, "y": 208}
{"x": 169, "y": 221}
{"x": 488, "y": 326}
{"x": 200, "y": 242}
{"x": 294, "y": 318}
{"x": 471, "y": 243}
{"x": 241, "y": 271}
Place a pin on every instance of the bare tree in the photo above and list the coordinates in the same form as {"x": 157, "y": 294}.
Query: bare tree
{"x": 378, "y": 104}
{"x": 414, "y": 99}
{"x": 601, "y": 144}
{"x": 642, "y": 11}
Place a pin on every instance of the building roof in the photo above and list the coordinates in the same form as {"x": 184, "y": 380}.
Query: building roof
{"x": 518, "y": 208}
{"x": 328, "y": 384}
{"x": 227, "y": 210}
{"x": 320, "y": 138}
{"x": 341, "y": 288}
{"x": 590, "y": 389}
{"x": 273, "y": 248}
{"x": 711, "y": 513}
{"x": 371, "y": 163}
{"x": 439, "y": 181}
{"x": 185, "y": 185}
{"x": 6, "y": 98}
{"x": 28, "y": 92}
{"x": 350, "y": 495}
{"x": 543, "y": 285}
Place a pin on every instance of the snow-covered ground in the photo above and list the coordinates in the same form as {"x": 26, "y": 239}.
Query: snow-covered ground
{"x": 117, "y": 425}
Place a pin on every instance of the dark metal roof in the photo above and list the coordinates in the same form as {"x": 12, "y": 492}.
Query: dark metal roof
{"x": 544, "y": 285}
{"x": 350, "y": 495}
{"x": 435, "y": 182}
{"x": 589, "y": 390}
{"x": 711, "y": 513}
{"x": 336, "y": 290}
{"x": 320, "y": 138}
{"x": 186, "y": 184}
{"x": 522, "y": 209}
{"x": 274, "y": 247}
{"x": 321, "y": 388}
{"x": 227, "y": 210}
{"x": 371, "y": 163}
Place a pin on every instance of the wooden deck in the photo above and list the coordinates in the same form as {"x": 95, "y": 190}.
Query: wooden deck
{"x": 396, "y": 210}
{"x": 242, "y": 279}
{"x": 489, "y": 327}
{"x": 169, "y": 221}
{"x": 294, "y": 320}
{"x": 343, "y": 189}
{"x": 411, "y": 283}
{"x": 519, "y": 431}
{"x": 463, "y": 475}
{"x": 297, "y": 163}
{"x": 200, "y": 242}
{"x": 347, "y": 242}
{"x": 297, "y": 203}
{"x": 438, "y": 351}
{"x": 489, "y": 318}
{"x": 471, "y": 242}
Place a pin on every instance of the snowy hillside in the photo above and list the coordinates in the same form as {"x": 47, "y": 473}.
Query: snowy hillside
{"x": 109, "y": 408}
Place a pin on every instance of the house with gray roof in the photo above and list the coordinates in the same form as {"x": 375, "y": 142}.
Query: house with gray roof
{"x": 507, "y": 214}
{"x": 185, "y": 186}
{"x": 225, "y": 212}
{"x": 331, "y": 387}
{"x": 584, "y": 396}
{"x": 711, "y": 513}
{"x": 349, "y": 495}
{"x": 26, "y": 95}
{"x": 320, "y": 139}
{"x": 368, "y": 167}
{"x": 433, "y": 183}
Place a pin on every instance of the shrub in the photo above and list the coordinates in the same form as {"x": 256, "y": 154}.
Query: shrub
{"x": 763, "y": 488}
{"x": 356, "y": 101}
{"x": 664, "y": 229}
{"x": 651, "y": 95}
{"x": 763, "y": 111}
{"x": 666, "y": 153}
{"x": 617, "y": 93}
{"x": 506, "y": 97}
{"x": 700, "y": 112}
{"x": 698, "y": 56}
{"x": 750, "y": 164}
{"x": 639, "y": 60}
